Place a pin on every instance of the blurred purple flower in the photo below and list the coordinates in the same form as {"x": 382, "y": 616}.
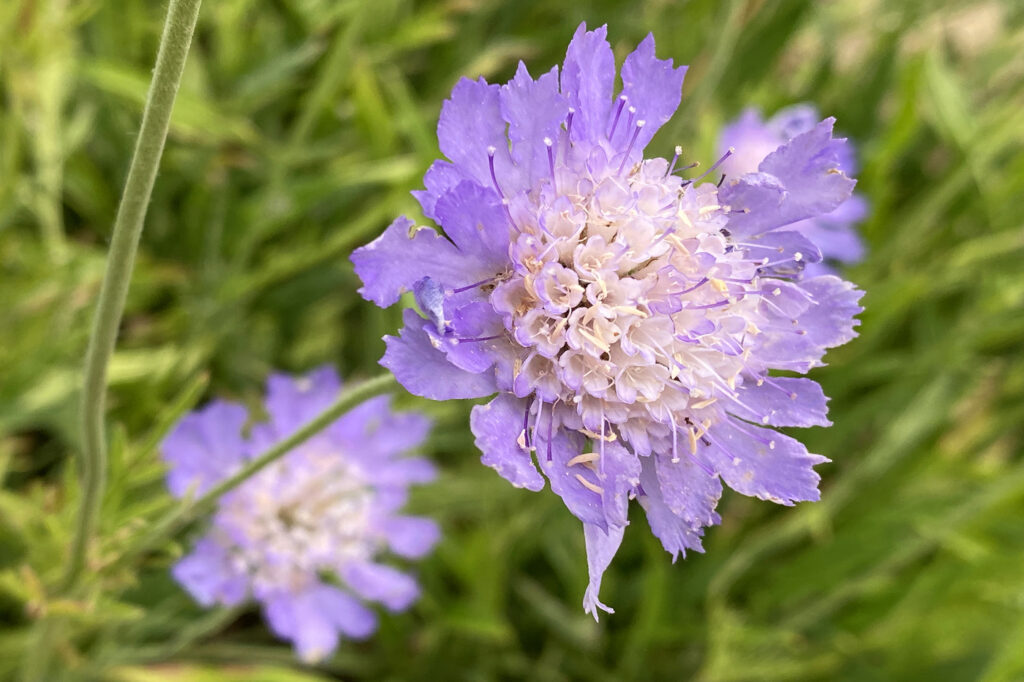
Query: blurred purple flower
{"x": 753, "y": 138}
{"x": 330, "y": 508}
{"x": 628, "y": 320}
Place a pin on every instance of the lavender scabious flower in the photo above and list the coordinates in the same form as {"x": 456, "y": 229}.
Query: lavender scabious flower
{"x": 327, "y": 508}
{"x": 628, "y": 320}
{"x": 752, "y": 139}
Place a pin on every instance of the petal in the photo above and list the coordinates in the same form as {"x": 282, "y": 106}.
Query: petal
{"x": 471, "y": 343}
{"x": 588, "y": 76}
{"x": 411, "y": 537}
{"x": 763, "y": 463}
{"x": 312, "y": 619}
{"x": 291, "y": 402}
{"x": 787, "y": 251}
{"x": 750, "y": 140}
{"x": 393, "y": 262}
{"x": 209, "y": 576}
{"x": 781, "y": 401}
{"x": 404, "y": 472}
{"x": 374, "y": 430}
{"x": 439, "y": 178}
{"x": 688, "y": 490}
{"x": 584, "y": 500}
{"x": 836, "y": 233}
{"x": 618, "y": 473}
{"x": 601, "y": 549}
{"x": 535, "y": 110}
{"x": 477, "y": 222}
{"x": 204, "y": 447}
{"x": 425, "y": 371}
{"x": 676, "y": 534}
{"x": 380, "y": 583}
{"x": 653, "y": 87}
{"x": 831, "y": 321}
{"x": 470, "y": 126}
{"x": 498, "y": 427}
{"x": 807, "y": 184}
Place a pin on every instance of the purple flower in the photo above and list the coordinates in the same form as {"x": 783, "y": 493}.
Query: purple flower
{"x": 753, "y": 139}
{"x": 628, "y": 320}
{"x": 328, "y": 507}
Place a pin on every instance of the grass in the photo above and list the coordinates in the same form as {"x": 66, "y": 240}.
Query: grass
{"x": 301, "y": 127}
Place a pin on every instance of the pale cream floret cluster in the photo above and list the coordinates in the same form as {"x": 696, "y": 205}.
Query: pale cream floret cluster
{"x": 299, "y": 516}
{"x": 630, "y": 303}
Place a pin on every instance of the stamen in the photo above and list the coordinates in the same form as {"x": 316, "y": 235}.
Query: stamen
{"x": 675, "y": 436}
{"x": 707, "y": 470}
{"x": 551, "y": 427}
{"x": 716, "y": 164}
{"x": 568, "y": 124}
{"x": 629, "y": 120}
{"x": 686, "y": 168}
{"x": 491, "y": 151}
{"x": 526, "y": 427}
{"x": 589, "y": 486}
{"x": 474, "y": 285}
{"x": 618, "y": 112}
{"x": 717, "y": 304}
{"x": 636, "y": 133}
{"x": 611, "y": 437}
{"x": 582, "y": 459}
{"x": 551, "y": 162}
{"x": 686, "y": 291}
{"x": 479, "y": 338}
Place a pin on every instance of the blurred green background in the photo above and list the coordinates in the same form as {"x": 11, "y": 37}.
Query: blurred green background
{"x": 302, "y": 126}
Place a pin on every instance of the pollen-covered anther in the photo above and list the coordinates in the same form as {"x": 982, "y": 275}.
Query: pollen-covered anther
{"x": 588, "y": 485}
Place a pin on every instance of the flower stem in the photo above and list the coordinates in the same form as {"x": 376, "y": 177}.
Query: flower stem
{"x": 191, "y": 510}
{"x": 131, "y": 213}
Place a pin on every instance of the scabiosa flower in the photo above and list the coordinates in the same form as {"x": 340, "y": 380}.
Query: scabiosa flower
{"x": 627, "y": 319}
{"x": 752, "y": 139}
{"x": 304, "y": 535}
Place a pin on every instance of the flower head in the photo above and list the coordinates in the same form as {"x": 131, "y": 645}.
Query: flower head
{"x": 327, "y": 508}
{"x": 752, "y": 138}
{"x": 627, "y": 319}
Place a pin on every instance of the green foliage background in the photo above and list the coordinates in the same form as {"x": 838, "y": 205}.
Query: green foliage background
{"x": 300, "y": 130}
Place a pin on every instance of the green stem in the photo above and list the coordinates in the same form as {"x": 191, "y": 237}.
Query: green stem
{"x": 189, "y": 511}
{"x": 170, "y": 62}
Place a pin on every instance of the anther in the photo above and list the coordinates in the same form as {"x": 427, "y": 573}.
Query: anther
{"x": 568, "y": 123}
{"x": 672, "y": 165}
{"x": 589, "y": 486}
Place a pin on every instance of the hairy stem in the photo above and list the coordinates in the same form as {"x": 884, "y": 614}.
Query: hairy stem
{"x": 170, "y": 62}
{"x": 131, "y": 213}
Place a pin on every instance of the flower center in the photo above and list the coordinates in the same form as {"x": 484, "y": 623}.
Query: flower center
{"x": 630, "y": 300}
{"x": 304, "y": 514}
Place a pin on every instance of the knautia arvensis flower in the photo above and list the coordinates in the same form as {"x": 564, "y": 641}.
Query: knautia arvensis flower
{"x": 753, "y": 138}
{"x": 627, "y": 319}
{"x": 305, "y": 536}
